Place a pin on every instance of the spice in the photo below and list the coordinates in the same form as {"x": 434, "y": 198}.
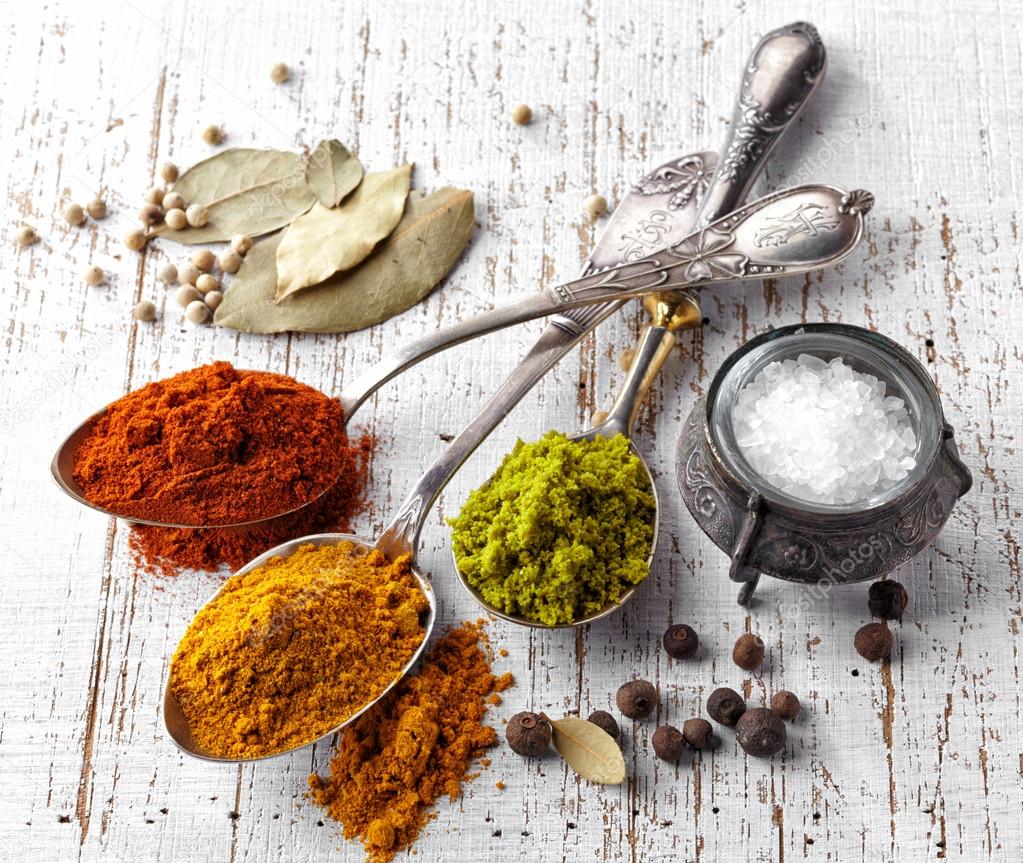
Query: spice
{"x": 785, "y": 704}
{"x": 135, "y": 239}
{"x": 197, "y": 312}
{"x": 197, "y": 215}
{"x": 97, "y": 208}
{"x": 176, "y": 218}
{"x": 887, "y": 600}
{"x": 416, "y": 745}
{"x": 26, "y": 235}
{"x": 151, "y": 214}
{"x": 873, "y": 641}
{"x": 595, "y": 206}
{"x": 637, "y": 699}
{"x": 279, "y": 73}
{"x": 528, "y": 734}
{"x": 748, "y": 652}
{"x": 561, "y": 531}
{"x": 698, "y": 733}
{"x": 213, "y": 445}
{"x": 186, "y": 295}
{"x": 241, "y": 243}
{"x": 173, "y": 201}
{"x": 74, "y": 214}
{"x": 668, "y": 742}
{"x": 168, "y": 274}
{"x": 522, "y": 114}
{"x": 824, "y": 432}
{"x": 187, "y": 274}
{"x": 169, "y": 172}
{"x": 213, "y": 299}
{"x": 154, "y": 195}
{"x": 725, "y": 706}
{"x": 203, "y": 260}
{"x": 293, "y": 648}
{"x": 213, "y": 135}
{"x": 604, "y": 720}
{"x": 760, "y": 732}
{"x": 229, "y": 261}
{"x": 589, "y": 750}
{"x": 164, "y": 551}
{"x": 92, "y": 276}
{"x": 206, "y": 283}
{"x": 680, "y": 641}
{"x": 144, "y": 310}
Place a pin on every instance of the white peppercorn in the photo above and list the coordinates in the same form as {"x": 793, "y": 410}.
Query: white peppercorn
{"x": 135, "y": 239}
{"x": 92, "y": 275}
{"x": 522, "y": 114}
{"x": 154, "y": 195}
{"x": 197, "y": 215}
{"x": 206, "y": 283}
{"x": 229, "y": 261}
{"x": 197, "y": 312}
{"x": 241, "y": 243}
{"x": 145, "y": 310}
{"x": 213, "y": 299}
{"x": 595, "y": 206}
{"x": 186, "y": 295}
{"x": 151, "y": 214}
{"x": 176, "y": 219}
{"x": 213, "y": 135}
{"x": 187, "y": 274}
{"x": 97, "y": 208}
{"x": 168, "y": 274}
{"x": 169, "y": 172}
{"x": 203, "y": 260}
{"x": 173, "y": 201}
{"x": 280, "y": 73}
{"x": 74, "y": 214}
{"x": 26, "y": 235}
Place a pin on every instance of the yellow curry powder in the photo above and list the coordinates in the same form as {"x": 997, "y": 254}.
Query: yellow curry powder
{"x": 290, "y": 650}
{"x": 416, "y": 745}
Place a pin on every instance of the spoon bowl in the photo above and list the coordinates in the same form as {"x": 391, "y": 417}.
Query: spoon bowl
{"x": 174, "y": 718}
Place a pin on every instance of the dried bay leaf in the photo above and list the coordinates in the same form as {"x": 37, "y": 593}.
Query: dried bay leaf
{"x": 589, "y": 750}
{"x": 332, "y": 172}
{"x": 426, "y": 244}
{"x": 323, "y": 242}
{"x": 245, "y": 191}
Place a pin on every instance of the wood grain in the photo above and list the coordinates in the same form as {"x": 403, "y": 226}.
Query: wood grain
{"x": 918, "y": 759}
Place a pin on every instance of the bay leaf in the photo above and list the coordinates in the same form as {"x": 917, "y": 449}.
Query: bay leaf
{"x": 332, "y": 172}
{"x": 589, "y": 750}
{"x": 326, "y": 241}
{"x": 426, "y": 244}
{"x": 245, "y": 191}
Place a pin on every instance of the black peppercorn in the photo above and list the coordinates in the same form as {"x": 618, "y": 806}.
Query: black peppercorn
{"x": 605, "y": 721}
{"x": 528, "y": 734}
{"x": 680, "y": 641}
{"x": 873, "y": 641}
{"x": 887, "y": 600}
{"x": 669, "y": 744}
{"x": 760, "y": 732}
{"x": 725, "y": 706}
{"x": 785, "y": 704}
{"x": 637, "y": 699}
{"x": 698, "y": 733}
{"x": 748, "y": 652}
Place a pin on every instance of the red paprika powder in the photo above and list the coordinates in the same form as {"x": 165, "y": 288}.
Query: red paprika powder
{"x": 214, "y": 445}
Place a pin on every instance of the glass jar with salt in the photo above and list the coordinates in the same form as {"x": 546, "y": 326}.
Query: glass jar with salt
{"x": 820, "y": 455}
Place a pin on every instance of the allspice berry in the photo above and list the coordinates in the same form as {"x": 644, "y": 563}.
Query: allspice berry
{"x": 669, "y": 744}
{"x": 135, "y": 239}
{"x": 785, "y": 704}
{"x": 279, "y": 73}
{"x": 169, "y": 172}
{"x": 197, "y": 215}
{"x": 760, "y": 732}
{"x": 74, "y": 214}
{"x": 213, "y": 135}
{"x": 522, "y": 114}
{"x": 528, "y": 734}
{"x": 680, "y": 641}
{"x": 97, "y": 208}
{"x": 637, "y": 699}
{"x": 605, "y": 721}
{"x": 144, "y": 310}
{"x": 698, "y": 732}
{"x": 725, "y": 706}
{"x": 873, "y": 641}
{"x": 887, "y": 600}
{"x": 748, "y": 652}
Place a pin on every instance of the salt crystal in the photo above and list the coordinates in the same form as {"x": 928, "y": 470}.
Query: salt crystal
{"x": 823, "y": 432}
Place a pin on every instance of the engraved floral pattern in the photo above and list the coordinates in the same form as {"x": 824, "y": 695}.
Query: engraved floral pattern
{"x": 704, "y": 256}
{"x": 687, "y": 179}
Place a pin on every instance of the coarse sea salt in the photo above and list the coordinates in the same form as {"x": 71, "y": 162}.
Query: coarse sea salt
{"x": 823, "y": 432}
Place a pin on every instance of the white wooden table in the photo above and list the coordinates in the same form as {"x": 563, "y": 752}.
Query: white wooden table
{"x": 920, "y": 760}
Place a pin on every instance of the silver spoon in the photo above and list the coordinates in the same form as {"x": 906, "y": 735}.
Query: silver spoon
{"x": 786, "y": 233}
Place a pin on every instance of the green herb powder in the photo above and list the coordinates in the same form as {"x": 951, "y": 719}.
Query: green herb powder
{"x": 562, "y": 530}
